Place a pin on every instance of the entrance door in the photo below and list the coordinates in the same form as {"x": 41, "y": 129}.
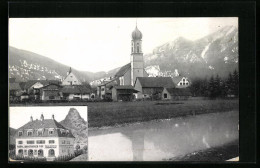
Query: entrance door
{"x": 51, "y": 153}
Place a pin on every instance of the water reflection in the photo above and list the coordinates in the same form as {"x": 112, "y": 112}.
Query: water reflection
{"x": 158, "y": 140}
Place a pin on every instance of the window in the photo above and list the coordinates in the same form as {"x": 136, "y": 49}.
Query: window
{"x": 138, "y": 47}
{"x": 63, "y": 142}
{"x": 51, "y": 152}
{"x": 51, "y": 141}
{"x": 40, "y": 141}
{"x": 30, "y": 152}
{"x": 102, "y": 89}
{"x": 40, "y": 152}
{"x": 180, "y": 83}
{"x": 165, "y": 95}
{"x": 29, "y": 133}
{"x": 20, "y": 142}
{"x": 30, "y": 142}
{"x": 40, "y": 132}
{"x": 20, "y": 133}
{"x": 68, "y": 142}
{"x": 51, "y": 131}
{"x": 183, "y": 80}
{"x": 186, "y": 83}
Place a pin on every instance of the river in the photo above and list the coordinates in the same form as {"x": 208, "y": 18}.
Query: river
{"x": 163, "y": 139}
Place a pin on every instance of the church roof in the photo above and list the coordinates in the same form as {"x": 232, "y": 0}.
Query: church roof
{"x": 123, "y": 70}
{"x": 179, "y": 91}
{"x": 136, "y": 34}
{"x": 45, "y": 124}
{"x": 156, "y": 82}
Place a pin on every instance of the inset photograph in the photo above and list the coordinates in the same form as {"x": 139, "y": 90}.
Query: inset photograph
{"x": 48, "y": 133}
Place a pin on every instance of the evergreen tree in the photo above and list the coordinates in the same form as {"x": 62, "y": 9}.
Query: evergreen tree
{"x": 217, "y": 89}
{"x": 211, "y": 87}
{"x": 236, "y": 83}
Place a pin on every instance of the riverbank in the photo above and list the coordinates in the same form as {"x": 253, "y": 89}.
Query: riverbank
{"x": 221, "y": 153}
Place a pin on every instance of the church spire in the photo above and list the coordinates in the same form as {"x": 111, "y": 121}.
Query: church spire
{"x": 70, "y": 70}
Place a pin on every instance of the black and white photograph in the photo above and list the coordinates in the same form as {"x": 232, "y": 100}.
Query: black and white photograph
{"x": 48, "y": 133}
{"x": 156, "y": 88}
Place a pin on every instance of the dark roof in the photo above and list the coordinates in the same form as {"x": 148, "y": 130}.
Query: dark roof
{"x": 29, "y": 83}
{"x": 177, "y": 79}
{"x": 123, "y": 70}
{"x": 45, "y": 124}
{"x": 50, "y": 86}
{"x": 75, "y": 89}
{"x": 22, "y": 85}
{"x": 156, "y": 82}
{"x": 14, "y": 86}
{"x": 126, "y": 87}
{"x": 11, "y": 80}
{"x": 179, "y": 91}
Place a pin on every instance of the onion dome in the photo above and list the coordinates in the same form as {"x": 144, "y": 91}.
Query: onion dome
{"x": 136, "y": 35}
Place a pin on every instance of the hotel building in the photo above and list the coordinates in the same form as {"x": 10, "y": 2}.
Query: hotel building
{"x": 44, "y": 138}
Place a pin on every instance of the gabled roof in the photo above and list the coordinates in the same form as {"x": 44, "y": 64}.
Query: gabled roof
{"x": 179, "y": 91}
{"x": 75, "y": 89}
{"x": 14, "y": 86}
{"x": 123, "y": 70}
{"x": 155, "y": 82}
{"x": 29, "y": 83}
{"x": 45, "y": 124}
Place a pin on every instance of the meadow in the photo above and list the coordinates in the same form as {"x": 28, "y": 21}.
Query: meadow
{"x": 101, "y": 114}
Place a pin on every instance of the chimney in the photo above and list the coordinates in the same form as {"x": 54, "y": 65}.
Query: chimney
{"x": 31, "y": 119}
{"x": 53, "y": 116}
{"x": 42, "y": 118}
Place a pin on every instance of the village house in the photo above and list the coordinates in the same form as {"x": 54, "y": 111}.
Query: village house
{"x": 15, "y": 91}
{"x": 104, "y": 90}
{"x": 176, "y": 94}
{"x": 50, "y": 92}
{"x": 150, "y": 87}
{"x": 32, "y": 87}
{"x": 70, "y": 79}
{"x": 181, "y": 82}
{"x": 44, "y": 138}
{"x": 123, "y": 93}
{"x": 75, "y": 92}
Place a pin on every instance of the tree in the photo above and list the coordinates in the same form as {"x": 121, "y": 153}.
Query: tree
{"x": 236, "y": 83}
{"x": 211, "y": 87}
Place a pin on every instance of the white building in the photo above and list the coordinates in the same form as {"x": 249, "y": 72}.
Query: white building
{"x": 70, "y": 79}
{"x": 44, "y": 138}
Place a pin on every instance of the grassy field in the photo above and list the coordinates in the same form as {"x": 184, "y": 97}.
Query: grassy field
{"x": 112, "y": 113}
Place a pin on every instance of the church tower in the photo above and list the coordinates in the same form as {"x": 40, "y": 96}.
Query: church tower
{"x": 137, "y": 62}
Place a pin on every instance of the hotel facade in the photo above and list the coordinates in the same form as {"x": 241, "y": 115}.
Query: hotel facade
{"x": 44, "y": 138}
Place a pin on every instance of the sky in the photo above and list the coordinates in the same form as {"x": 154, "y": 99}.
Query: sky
{"x": 18, "y": 116}
{"x": 102, "y": 44}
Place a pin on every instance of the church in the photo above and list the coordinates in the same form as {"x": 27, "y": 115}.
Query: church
{"x": 131, "y": 81}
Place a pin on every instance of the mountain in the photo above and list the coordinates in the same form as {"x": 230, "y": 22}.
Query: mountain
{"x": 216, "y": 53}
{"x": 12, "y": 132}
{"x": 25, "y": 65}
{"x": 77, "y": 125}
